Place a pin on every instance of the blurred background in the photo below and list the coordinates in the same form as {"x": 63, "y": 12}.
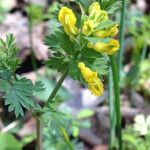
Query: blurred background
{"x": 89, "y": 115}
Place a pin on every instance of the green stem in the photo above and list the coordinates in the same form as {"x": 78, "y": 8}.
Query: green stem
{"x": 39, "y": 134}
{"x": 117, "y": 98}
{"x": 144, "y": 51}
{"x": 121, "y": 36}
{"x": 112, "y": 112}
{"x": 66, "y": 138}
{"x": 57, "y": 87}
{"x": 15, "y": 77}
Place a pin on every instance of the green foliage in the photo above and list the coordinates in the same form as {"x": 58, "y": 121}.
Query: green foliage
{"x": 85, "y": 4}
{"x": 110, "y": 5}
{"x": 48, "y": 87}
{"x": 8, "y": 54}
{"x": 5, "y": 7}
{"x": 144, "y": 77}
{"x": 139, "y": 29}
{"x": 132, "y": 141}
{"x": 8, "y": 142}
{"x": 85, "y": 113}
{"x": 35, "y": 13}
{"x": 5, "y": 74}
{"x": 62, "y": 46}
{"x": 105, "y": 25}
{"x": 52, "y": 10}
{"x": 52, "y": 142}
{"x": 18, "y": 95}
{"x": 69, "y": 52}
{"x": 137, "y": 135}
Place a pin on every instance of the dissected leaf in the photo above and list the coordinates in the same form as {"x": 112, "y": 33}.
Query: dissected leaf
{"x": 62, "y": 63}
{"x": 85, "y": 3}
{"x": 8, "y": 54}
{"x": 114, "y": 7}
{"x": 64, "y": 42}
{"x": 100, "y": 65}
{"x": 95, "y": 40}
{"x": 39, "y": 86}
{"x": 104, "y": 25}
{"x": 74, "y": 70}
{"x": 55, "y": 120}
{"x": 18, "y": 95}
{"x": 5, "y": 74}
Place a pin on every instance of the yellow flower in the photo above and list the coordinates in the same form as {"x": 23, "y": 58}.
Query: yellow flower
{"x": 110, "y": 48}
{"x": 68, "y": 19}
{"x": 93, "y": 82}
{"x": 90, "y": 45}
{"x": 113, "y": 46}
{"x": 94, "y": 8}
{"x": 103, "y": 16}
{"x": 100, "y": 47}
{"x": 88, "y": 27}
{"x": 96, "y": 87}
{"x": 96, "y": 14}
{"x": 107, "y": 32}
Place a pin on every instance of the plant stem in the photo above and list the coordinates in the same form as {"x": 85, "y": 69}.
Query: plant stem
{"x": 144, "y": 51}
{"x": 15, "y": 77}
{"x": 57, "y": 87}
{"x": 112, "y": 112}
{"x": 121, "y": 36}
{"x": 39, "y": 134}
{"x": 117, "y": 98}
{"x": 66, "y": 138}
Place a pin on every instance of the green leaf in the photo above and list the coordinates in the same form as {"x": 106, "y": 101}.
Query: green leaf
{"x": 55, "y": 120}
{"x": 5, "y": 74}
{"x": 64, "y": 42}
{"x": 85, "y": 113}
{"x": 4, "y": 85}
{"x": 75, "y": 132}
{"x": 59, "y": 42}
{"x": 39, "y": 86}
{"x": 110, "y": 5}
{"x": 62, "y": 62}
{"x": 8, "y": 54}
{"x": 8, "y": 142}
{"x": 104, "y": 25}
{"x": 114, "y": 7}
{"x": 85, "y": 3}
{"x": 18, "y": 96}
{"x": 100, "y": 65}
{"x": 89, "y": 55}
{"x": 52, "y": 43}
{"x": 49, "y": 86}
{"x": 74, "y": 70}
{"x": 95, "y": 40}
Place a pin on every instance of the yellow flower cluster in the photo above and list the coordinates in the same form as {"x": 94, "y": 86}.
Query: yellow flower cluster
{"x": 68, "y": 19}
{"x": 95, "y": 18}
{"x": 111, "y": 31}
{"x": 110, "y": 48}
{"x": 93, "y": 82}
{"x": 91, "y": 28}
